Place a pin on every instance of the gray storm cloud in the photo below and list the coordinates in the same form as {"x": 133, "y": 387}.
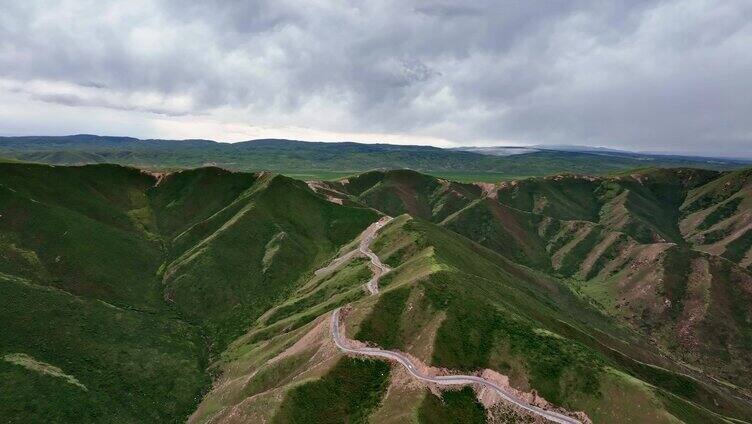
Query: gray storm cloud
{"x": 645, "y": 75}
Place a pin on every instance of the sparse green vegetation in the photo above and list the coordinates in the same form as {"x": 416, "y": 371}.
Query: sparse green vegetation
{"x": 352, "y": 276}
{"x": 275, "y": 374}
{"x": 380, "y": 326}
{"x": 473, "y": 329}
{"x": 739, "y": 247}
{"x": 453, "y": 407}
{"x": 574, "y": 257}
{"x": 348, "y": 393}
{"x": 723, "y": 211}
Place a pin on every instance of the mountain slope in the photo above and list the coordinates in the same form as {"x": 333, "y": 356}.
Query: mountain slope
{"x": 208, "y": 292}
{"x": 453, "y": 304}
{"x": 619, "y": 240}
{"x": 123, "y": 365}
{"x": 717, "y": 217}
{"x": 79, "y": 229}
{"x": 125, "y": 282}
{"x": 77, "y": 275}
{"x": 253, "y": 251}
{"x": 402, "y": 191}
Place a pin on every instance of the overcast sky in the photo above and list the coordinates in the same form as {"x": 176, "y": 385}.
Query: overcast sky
{"x": 641, "y": 75}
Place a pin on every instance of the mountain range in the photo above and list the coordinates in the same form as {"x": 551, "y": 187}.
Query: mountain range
{"x": 320, "y": 160}
{"x": 206, "y": 295}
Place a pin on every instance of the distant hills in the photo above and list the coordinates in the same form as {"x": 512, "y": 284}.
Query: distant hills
{"x": 320, "y": 160}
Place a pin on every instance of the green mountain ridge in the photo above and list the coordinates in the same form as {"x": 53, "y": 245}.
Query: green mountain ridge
{"x": 119, "y": 239}
{"x": 192, "y": 294}
{"x": 617, "y": 238}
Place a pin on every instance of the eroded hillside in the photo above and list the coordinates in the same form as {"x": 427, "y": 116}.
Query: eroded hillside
{"x": 664, "y": 251}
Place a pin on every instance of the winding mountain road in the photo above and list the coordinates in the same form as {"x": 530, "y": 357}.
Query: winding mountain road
{"x": 380, "y": 269}
{"x": 364, "y": 247}
{"x": 447, "y": 380}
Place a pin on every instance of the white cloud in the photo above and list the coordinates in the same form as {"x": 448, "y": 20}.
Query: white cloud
{"x": 657, "y": 75}
{"x": 66, "y": 93}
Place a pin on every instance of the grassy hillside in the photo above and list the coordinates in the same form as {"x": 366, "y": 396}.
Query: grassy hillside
{"x": 495, "y": 314}
{"x": 453, "y": 407}
{"x": 715, "y": 217}
{"x": 123, "y": 365}
{"x": 402, "y": 191}
{"x": 455, "y": 304}
{"x": 620, "y": 241}
{"x": 79, "y": 229}
{"x": 126, "y": 282}
{"x": 509, "y": 231}
{"x": 139, "y": 296}
{"x": 253, "y": 251}
{"x": 348, "y": 393}
{"x": 183, "y": 199}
